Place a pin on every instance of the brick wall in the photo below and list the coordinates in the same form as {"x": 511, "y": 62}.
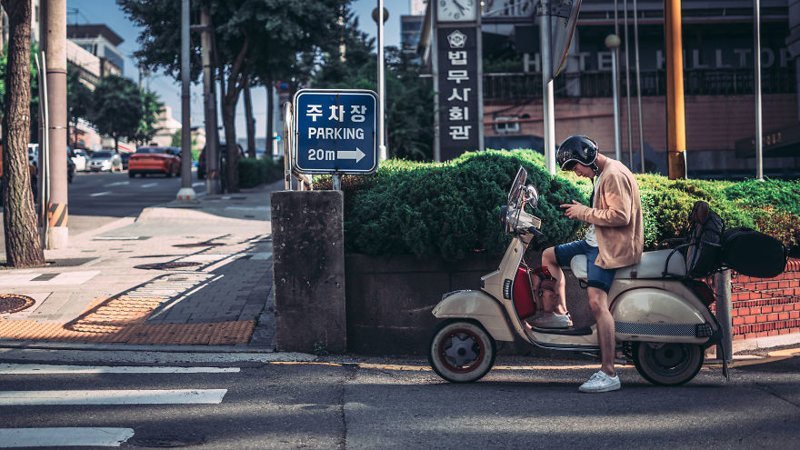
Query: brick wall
{"x": 765, "y": 307}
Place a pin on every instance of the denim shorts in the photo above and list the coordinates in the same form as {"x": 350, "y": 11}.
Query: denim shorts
{"x": 597, "y": 276}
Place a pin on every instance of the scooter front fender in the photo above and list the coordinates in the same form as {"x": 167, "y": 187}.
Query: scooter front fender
{"x": 478, "y": 306}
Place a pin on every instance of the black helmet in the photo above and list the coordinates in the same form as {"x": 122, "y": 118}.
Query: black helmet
{"x": 577, "y": 149}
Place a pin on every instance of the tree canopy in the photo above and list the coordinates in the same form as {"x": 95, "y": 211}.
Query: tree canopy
{"x": 117, "y": 108}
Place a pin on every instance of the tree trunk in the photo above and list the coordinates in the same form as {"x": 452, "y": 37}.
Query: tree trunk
{"x": 251, "y": 122}
{"x": 270, "y": 124}
{"x": 23, "y": 248}
{"x": 232, "y": 151}
{"x": 116, "y": 144}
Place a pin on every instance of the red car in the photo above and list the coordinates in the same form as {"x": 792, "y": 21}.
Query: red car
{"x": 149, "y": 160}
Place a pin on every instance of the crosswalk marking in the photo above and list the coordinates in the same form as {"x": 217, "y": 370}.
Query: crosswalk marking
{"x": 45, "y": 369}
{"x": 113, "y": 397}
{"x": 64, "y": 437}
{"x": 98, "y": 194}
{"x": 149, "y": 185}
{"x": 118, "y": 183}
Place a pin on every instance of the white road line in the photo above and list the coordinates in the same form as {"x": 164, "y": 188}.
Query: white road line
{"x": 149, "y": 185}
{"x": 47, "y": 369}
{"x": 98, "y": 194}
{"x": 64, "y": 437}
{"x": 113, "y": 397}
{"x": 118, "y": 183}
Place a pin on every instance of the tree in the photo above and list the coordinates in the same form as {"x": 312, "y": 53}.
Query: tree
{"x": 79, "y": 101}
{"x": 151, "y": 106}
{"x": 117, "y": 108}
{"x": 249, "y": 35}
{"x": 409, "y": 98}
{"x": 23, "y": 248}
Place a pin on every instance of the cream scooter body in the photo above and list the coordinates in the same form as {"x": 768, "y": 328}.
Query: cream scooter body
{"x": 647, "y": 306}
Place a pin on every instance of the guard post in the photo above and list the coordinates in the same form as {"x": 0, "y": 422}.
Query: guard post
{"x": 333, "y": 133}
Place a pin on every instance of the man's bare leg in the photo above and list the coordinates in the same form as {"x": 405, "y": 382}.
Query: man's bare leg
{"x": 549, "y": 261}
{"x": 598, "y": 302}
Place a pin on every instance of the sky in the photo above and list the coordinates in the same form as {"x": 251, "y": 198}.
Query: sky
{"x": 107, "y": 12}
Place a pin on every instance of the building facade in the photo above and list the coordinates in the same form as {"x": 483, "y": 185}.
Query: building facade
{"x": 718, "y": 82}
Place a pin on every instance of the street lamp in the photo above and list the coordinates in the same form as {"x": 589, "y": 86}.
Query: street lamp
{"x": 381, "y": 80}
{"x": 613, "y": 42}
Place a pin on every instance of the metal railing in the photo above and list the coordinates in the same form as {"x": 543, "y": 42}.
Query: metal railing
{"x": 504, "y": 87}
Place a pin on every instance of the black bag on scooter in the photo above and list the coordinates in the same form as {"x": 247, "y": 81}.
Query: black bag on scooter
{"x": 704, "y": 239}
{"x": 752, "y": 253}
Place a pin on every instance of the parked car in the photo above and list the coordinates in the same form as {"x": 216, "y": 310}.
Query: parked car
{"x": 104, "y": 161}
{"x": 148, "y": 160}
{"x": 222, "y": 152}
{"x": 79, "y": 158}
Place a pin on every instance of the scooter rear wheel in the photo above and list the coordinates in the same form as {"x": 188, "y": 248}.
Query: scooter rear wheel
{"x": 667, "y": 364}
{"x": 461, "y": 351}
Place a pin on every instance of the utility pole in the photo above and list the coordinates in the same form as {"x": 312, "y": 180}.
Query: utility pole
{"x": 757, "y": 88}
{"x": 676, "y": 121}
{"x": 381, "y": 15}
{"x": 186, "y": 192}
{"x": 547, "y": 88}
{"x": 55, "y": 48}
{"x": 210, "y": 98}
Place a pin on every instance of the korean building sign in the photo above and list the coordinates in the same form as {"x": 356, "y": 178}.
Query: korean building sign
{"x": 335, "y": 131}
{"x": 459, "y": 102}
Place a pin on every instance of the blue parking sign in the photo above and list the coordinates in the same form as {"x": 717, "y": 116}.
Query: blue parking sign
{"x": 335, "y": 131}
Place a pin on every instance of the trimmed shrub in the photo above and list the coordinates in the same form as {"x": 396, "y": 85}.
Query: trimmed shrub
{"x": 253, "y": 172}
{"x": 451, "y": 209}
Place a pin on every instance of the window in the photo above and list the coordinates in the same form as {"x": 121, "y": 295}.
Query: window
{"x": 506, "y": 125}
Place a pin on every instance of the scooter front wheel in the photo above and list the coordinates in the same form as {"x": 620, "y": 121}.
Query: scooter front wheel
{"x": 461, "y": 351}
{"x": 667, "y": 364}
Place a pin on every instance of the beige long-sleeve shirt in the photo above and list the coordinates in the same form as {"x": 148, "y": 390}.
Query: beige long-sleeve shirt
{"x": 617, "y": 217}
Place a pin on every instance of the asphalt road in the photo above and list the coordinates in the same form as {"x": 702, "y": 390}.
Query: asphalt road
{"x": 96, "y": 199}
{"x": 398, "y": 404}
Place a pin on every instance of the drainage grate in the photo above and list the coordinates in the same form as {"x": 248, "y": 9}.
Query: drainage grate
{"x": 168, "y": 265}
{"x": 11, "y": 303}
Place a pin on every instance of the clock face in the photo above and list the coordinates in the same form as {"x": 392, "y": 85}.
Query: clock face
{"x": 457, "y": 10}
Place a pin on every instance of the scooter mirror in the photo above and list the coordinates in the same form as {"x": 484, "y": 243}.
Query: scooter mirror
{"x": 531, "y": 196}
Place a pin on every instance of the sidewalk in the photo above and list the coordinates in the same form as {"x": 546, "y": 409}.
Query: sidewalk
{"x": 179, "y": 274}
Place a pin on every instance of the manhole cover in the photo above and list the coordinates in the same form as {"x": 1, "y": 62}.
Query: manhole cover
{"x": 168, "y": 265}
{"x": 11, "y": 303}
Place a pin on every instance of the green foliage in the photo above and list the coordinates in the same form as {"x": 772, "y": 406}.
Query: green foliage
{"x": 151, "y": 106}
{"x": 409, "y": 98}
{"x": 117, "y": 108}
{"x": 79, "y": 97}
{"x": 450, "y": 210}
{"x": 253, "y": 172}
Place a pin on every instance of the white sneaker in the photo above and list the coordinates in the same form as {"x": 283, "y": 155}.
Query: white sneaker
{"x": 601, "y": 382}
{"x": 552, "y": 320}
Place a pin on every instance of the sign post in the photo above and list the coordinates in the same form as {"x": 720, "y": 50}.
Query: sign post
{"x": 335, "y": 132}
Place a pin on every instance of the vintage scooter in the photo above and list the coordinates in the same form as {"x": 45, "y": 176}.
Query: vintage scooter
{"x": 663, "y": 321}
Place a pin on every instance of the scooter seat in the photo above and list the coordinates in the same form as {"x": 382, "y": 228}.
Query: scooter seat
{"x": 651, "y": 266}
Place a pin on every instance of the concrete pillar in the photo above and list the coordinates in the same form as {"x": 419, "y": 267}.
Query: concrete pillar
{"x": 55, "y": 46}
{"x": 308, "y": 266}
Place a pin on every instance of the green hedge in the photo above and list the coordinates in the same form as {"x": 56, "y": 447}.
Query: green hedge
{"x": 452, "y": 209}
{"x": 253, "y": 172}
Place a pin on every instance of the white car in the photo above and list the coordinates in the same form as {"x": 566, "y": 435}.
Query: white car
{"x": 80, "y": 158}
{"x": 104, "y": 161}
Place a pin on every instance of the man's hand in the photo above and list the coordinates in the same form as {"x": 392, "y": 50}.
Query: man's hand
{"x": 573, "y": 210}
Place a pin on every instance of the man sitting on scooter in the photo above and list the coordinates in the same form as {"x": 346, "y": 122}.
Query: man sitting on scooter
{"x": 614, "y": 239}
